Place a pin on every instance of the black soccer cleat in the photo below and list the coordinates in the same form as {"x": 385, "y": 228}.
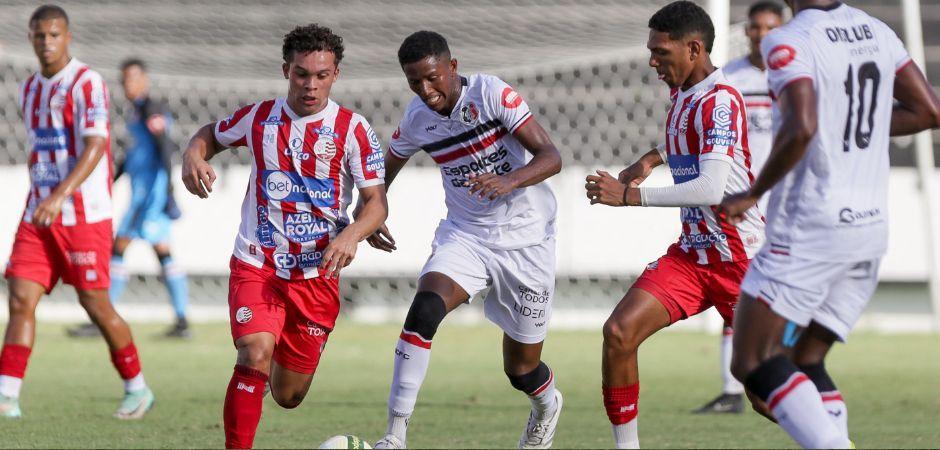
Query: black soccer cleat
{"x": 180, "y": 330}
{"x": 723, "y": 404}
{"x": 85, "y": 330}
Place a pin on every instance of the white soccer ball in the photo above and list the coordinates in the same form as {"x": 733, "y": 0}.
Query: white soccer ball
{"x": 345, "y": 441}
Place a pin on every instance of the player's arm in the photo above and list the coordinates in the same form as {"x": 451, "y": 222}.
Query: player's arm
{"x": 917, "y": 107}
{"x": 545, "y": 162}
{"x": 706, "y": 189}
{"x": 371, "y": 215}
{"x": 51, "y": 206}
{"x": 198, "y": 175}
{"x": 797, "y": 105}
{"x": 381, "y": 238}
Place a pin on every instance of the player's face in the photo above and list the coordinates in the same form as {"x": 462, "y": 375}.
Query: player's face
{"x": 759, "y": 25}
{"x": 310, "y": 77}
{"x": 671, "y": 58}
{"x": 50, "y": 39}
{"x": 135, "y": 82}
{"x": 435, "y": 80}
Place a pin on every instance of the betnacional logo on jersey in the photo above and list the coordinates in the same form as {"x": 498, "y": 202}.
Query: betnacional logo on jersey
{"x": 324, "y": 148}
{"x": 291, "y": 187}
{"x": 683, "y": 167}
{"x": 780, "y": 56}
{"x": 469, "y": 114}
{"x": 287, "y": 261}
{"x": 50, "y": 139}
{"x": 305, "y": 227}
{"x": 511, "y": 99}
{"x": 243, "y": 315}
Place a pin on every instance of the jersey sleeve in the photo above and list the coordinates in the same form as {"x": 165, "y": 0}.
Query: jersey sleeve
{"x": 93, "y": 103}
{"x": 506, "y": 104}
{"x": 718, "y": 126}
{"x": 364, "y": 155}
{"x": 787, "y": 59}
{"x": 899, "y": 55}
{"x": 400, "y": 146}
{"x": 234, "y": 130}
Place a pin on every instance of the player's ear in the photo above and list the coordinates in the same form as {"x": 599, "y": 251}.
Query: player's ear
{"x": 453, "y": 65}
{"x": 696, "y": 48}
{"x": 286, "y": 68}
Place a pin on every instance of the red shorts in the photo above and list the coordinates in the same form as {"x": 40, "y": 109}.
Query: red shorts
{"x": 687, "y": 288}
{"x": 79, "y": 254}
{"x": 299, "y": 313}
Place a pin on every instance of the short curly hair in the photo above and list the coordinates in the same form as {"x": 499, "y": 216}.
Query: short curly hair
{"x": 312, "y": 38}
{"x": 682, "y": 18}
{"x": 420, "y": 45}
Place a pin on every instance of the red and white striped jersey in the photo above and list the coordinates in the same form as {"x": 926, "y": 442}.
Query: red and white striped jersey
{"x": 751, "y": 82}
{"x": 708, "y": 121}
{"x": 301, "y": 181}
{"x": 59, "y": 112}
{"x": 477, "y": 138}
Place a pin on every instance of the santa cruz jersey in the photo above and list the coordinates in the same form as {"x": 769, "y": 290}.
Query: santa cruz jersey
{"x": 708, "y": 121}
{"x": 59, "y": 113}
{"x": 833, "y": 205}
{"x": 477, "y": 138}
{"x": 301, "y": 181}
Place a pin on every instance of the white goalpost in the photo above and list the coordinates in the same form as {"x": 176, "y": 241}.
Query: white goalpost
{"x": 720, "y": 11}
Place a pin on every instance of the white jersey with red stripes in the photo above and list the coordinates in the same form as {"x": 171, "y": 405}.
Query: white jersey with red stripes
{"x": 477, "y": 138}
{"x": 751, "y": 83}
{"x": 59, "y": 112}
{"x": 302, "y": 175}
{"x": 708, "y": 121}
{"x": 833, "y": 206}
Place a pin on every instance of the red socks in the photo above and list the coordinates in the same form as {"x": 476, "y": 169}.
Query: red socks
{"x": 13, "y": 360}
{"x": 622, "y": 403}
{"x": 242, "y": 410}
{"x": 126, "y": 361}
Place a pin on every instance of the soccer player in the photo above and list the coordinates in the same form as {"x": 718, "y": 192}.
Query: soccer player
{"x": 843, "y": 83}
{"x": 295, "y": 236}
{"x": 65, "y": 231}
{"x": 499, "y": 231}
{"x": 152, "y": 209}
{"x": 747, "y": 74}
{"x": 706, "y": 149}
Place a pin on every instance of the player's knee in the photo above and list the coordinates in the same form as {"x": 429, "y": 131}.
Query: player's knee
{"x": 255, "y": 356}
{"x": 742, "y": 366}
{"x": 288, "y": 400}
{"x": 531, "y": 380}
{"x": 620, "y": 335}
{"x": 425, "y": 315}
{"x": 20, "y": 303}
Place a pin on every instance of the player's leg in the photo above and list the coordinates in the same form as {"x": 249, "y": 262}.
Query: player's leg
{"x": 177, "y": 287}
{"x": 119, "y": 281}
{"x": 244, "y": 396}
{"x": 761, "y": 363}
{"x": 638, "y": 315}
{"x": 138, "y": 398}
{"x": 523, "y": 364}
{"x": 437, "y": 295}
{"x": 23, "y": 297}
{"x": 731, "y": 399}
{"x": 809, "y": 354}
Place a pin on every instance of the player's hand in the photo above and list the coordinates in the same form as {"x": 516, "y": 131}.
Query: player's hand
{"x": 48, "y": 209}
{"x": 198, "y": 175}
{"x": 635, "y": 175}
{"x": 489, "y": 185}
{"x": 604, "y": 188}
{"x": 382, "y": 239}
{"x": 734, "y": 206}
{"x": 339, "y": 254}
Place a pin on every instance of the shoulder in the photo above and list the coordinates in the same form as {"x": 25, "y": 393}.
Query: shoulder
{"x": 487, "y": 85}
{"x": 412, "y": 116}
{"x": 85, "y": 74}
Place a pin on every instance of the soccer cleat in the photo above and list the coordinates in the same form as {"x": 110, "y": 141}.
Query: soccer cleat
{"x": 85, "y": 330}
{"x": 10, "y": 407}
{"x": 541, "y": 433}
{"x": 390, "y": 441}
{"x": 180, "y": 330}
{"x": 723, "y": 404}
{"x": 135, "y": 404}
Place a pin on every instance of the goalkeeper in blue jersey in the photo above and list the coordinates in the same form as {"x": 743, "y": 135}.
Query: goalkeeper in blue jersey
{"x": 152, "y": 207}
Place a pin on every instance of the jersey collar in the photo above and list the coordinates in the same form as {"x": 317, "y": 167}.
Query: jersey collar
{"x": 73, "y": 63}
{"x": 710, "y": 80}
{"x": 330, "y": 107}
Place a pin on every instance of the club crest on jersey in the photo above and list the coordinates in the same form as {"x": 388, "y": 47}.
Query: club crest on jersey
{"x": 324, "y": 148}
{"x": 243, "y": 315}
{"x": 469, "y": 114}
{"x": 780, "y": 56}
{"x": 511, "y": 99}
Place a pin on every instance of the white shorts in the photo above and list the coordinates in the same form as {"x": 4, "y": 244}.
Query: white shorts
{"x": 832, "y": 294}
{"x": 522, "y": 281}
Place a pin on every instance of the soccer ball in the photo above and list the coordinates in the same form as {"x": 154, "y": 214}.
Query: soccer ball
{"x": 345, "y": 441}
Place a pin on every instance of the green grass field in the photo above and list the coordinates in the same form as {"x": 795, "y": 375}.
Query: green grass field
{"x": 891, "y": 383}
